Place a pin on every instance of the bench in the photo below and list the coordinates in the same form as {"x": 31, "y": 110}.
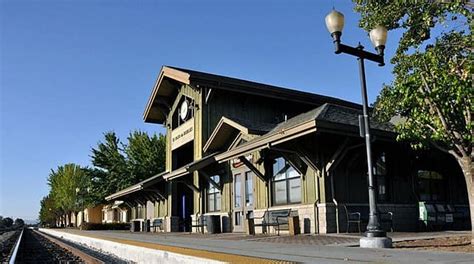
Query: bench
{"x": 200, "y": 223}
{"x": 352, "y": 218}
{"x": 355, "y": 218}
{"x": 157, "y": 223}
{"x": 387, "y": 218}
{"x": 275, "y": 218}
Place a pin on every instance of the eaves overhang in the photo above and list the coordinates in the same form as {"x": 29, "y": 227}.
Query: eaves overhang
{"x": 136, "y": 187}
{"x": 165, "y": 89}
{"x": 191, "y": 167}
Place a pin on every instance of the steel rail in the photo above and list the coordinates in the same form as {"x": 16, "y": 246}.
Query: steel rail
{"x": 15, "y": 249}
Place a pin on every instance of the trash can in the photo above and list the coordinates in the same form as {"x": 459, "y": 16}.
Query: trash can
{"x": 134, "y": 226}
{"x": 213, "y": 224}
{"x": 146, "y": 225}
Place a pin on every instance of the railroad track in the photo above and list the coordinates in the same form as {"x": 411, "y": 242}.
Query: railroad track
{"x": 35, "y": 247}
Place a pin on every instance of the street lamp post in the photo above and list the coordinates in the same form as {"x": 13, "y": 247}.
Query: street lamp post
{"x": 375, "y": 236}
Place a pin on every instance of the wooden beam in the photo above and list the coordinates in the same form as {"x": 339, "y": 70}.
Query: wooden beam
{"x": 140, "y": 200}
{"x": 252, "y": 168}
{"x": 211, "y": 181}
{"x": 157, "y": 192}
{"x": 128, "y": 204}
{"x": 299, "y": 169}
{"x": 161, "y": 101}
{"x": 190, "y": 186}
{"x": 336, "y": 156}
{"x": 149, "y": 197}
{"x": 308, "y": 161}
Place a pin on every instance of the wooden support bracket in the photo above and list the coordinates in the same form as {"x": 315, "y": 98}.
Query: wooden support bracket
{"x": 252, "y": 168}
{"x": 157, "y": 192}
{"x": 208, "y": 178}
{"x": 307, "y": 160}
{"x": 191, "y": 186}
{"x": 336, "y": 157}
{"x": 299, "y": 169}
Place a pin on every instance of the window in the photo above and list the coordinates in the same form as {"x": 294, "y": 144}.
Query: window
{"x": 248, "y": 189}
{"x": 380, "y": 172}
{"x": 214, "y": 196}
{"x": 237, "y": 190}
{"x": 431, "y": 186}
{"x": 286, "y": 183}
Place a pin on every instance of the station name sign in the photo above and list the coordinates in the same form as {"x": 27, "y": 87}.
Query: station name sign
{"x": 182, "y": 134}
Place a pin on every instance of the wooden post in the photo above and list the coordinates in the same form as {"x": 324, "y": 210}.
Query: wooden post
{"x": 250, "y": 226}
{"x": 293, "y": 225}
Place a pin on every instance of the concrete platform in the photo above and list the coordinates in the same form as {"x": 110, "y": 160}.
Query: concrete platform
{"x": 242, "y": 249}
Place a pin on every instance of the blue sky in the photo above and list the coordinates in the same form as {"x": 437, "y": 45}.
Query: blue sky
{"x": 72, "y": 70}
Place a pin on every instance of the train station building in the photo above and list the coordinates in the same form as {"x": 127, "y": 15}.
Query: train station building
{"x": 237, "y": 150}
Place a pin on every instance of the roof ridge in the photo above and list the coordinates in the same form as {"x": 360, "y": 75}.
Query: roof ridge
{"x": 256, "y": 83}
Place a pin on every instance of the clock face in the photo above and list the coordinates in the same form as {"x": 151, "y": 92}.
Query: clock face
{"x": 183, "y": 110}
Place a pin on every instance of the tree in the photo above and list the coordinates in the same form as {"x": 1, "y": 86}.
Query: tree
{"x": 120, "y": 165}
{"x": 48, "y": 211}
{"x": 145, "y": 155}
{"x": 19, "y": 222}
{"x": 7, "y": 222}
{"x": 109, "y": 157}
{"x": 63, "y": 183}
{"x": 432, "y": 87}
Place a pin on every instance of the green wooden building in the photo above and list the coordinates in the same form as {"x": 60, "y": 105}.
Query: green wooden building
{"x": 237, "y": 149}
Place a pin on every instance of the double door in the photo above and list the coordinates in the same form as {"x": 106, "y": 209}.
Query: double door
{"x": 243, "y": 199}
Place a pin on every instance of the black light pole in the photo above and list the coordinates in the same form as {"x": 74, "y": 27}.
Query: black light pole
{"x": 335, "y": 23}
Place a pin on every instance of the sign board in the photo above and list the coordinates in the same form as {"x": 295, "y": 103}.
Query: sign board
{"x": 182, "y": 134}
{"x": 236, "y": 163}
{"x": 449, "y": 218}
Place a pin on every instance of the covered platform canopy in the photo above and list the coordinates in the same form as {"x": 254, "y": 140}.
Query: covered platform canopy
{"x": 197, "y": 165}
{"x": 191, "y": 167}
{"x": 141, "y": 192}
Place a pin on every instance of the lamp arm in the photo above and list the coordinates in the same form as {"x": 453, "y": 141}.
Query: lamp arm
{"x": 359, "y": 52}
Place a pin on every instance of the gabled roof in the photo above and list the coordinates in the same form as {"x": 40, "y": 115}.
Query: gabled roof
{"x": 227, "y": 129}
{"x": 136, "y": 187}
{"x": 333, "y": 114}
{"x": 328, "y": 117}
{"x": 171, "y": 78}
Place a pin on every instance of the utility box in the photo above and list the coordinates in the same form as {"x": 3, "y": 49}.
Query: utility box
{"x": 428, "y": 215}
{"x": 213, "y": 224}
{"x": 135, "y": 226}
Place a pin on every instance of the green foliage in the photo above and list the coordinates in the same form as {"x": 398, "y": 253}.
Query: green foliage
{"x": 63, "y": 183}
{"x": 116, "y": 166}
{"x": 121, "y": 165}
{"x": 109, "y": 157}
{"x": 145, "y": 155}
{"x": 19, "y": 222}
{"x": 48, "y": 211}
{"x": 7, "y": 222}
{"x": 415, "y": 18}
{"x": 432, "y": 90}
